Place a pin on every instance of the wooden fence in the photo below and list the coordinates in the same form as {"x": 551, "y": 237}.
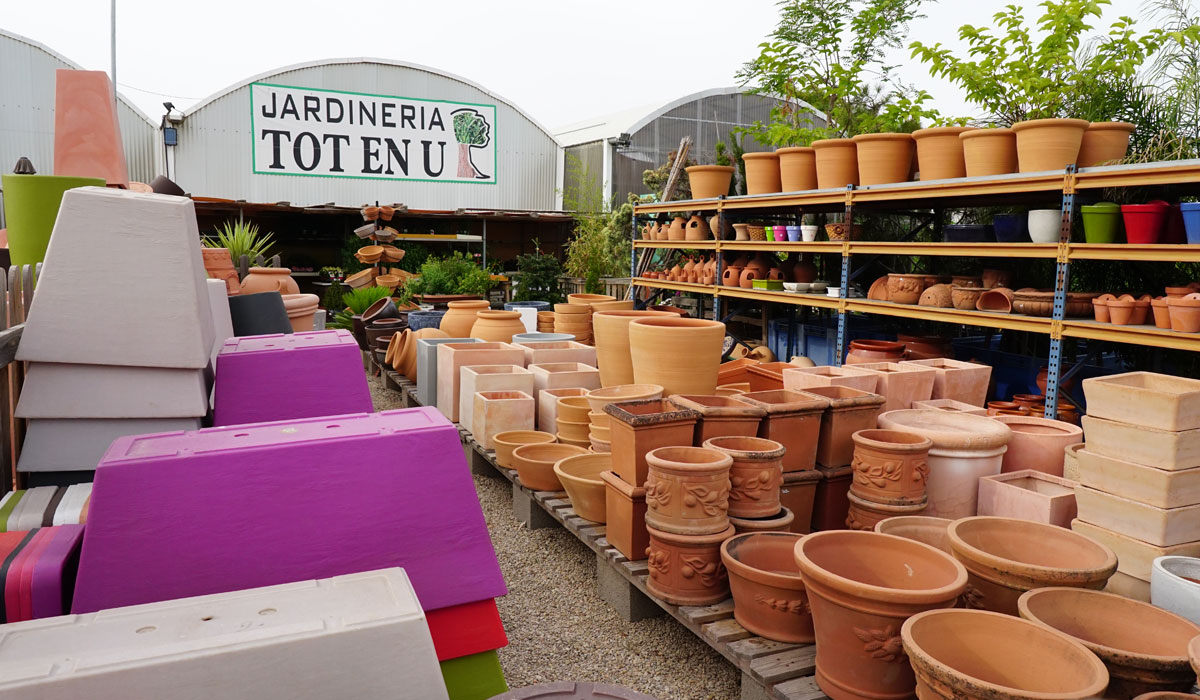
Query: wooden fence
{"x": 16, "y": 294}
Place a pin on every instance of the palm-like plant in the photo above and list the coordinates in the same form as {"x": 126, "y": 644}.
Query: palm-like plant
{"x": 241, "y": 238}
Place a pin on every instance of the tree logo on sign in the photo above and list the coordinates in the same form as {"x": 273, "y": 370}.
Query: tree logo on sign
{"x": 471, "y": 130}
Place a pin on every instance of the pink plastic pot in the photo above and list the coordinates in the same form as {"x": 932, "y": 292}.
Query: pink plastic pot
{"x": 1144, "y": 222}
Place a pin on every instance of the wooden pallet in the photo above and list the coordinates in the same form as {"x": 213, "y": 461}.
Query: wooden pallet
{"x": 393, "y": 380}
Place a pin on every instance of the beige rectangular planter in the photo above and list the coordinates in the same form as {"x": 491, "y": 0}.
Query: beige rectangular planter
{"x": 1158, "y": 401}
{"x": 500, "y": 411}
{"x": 1156, "y": 487}
{"x": 961, "y": 381}
{"x": 801, "y": 378}
{"x": 547, "y": 400}
{"x": 1071, "y": 462}
{"x": 565, "y": 375}
{"x": 476, "y": 378}
{"x": 900, "y": 384}
{"x": 1028, "y": 495}
{"x": 951, "y": 405}
{"x": 1134, "y": 557}
{"x": 548, "y": 351}
{"x": 451, "y": 357}
{"x": 1142, "y": 445}
{"x": 1127, "y": 586}
{"x": 1160, "y": 526}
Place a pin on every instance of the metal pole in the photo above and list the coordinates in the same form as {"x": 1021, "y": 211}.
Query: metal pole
{"x": 1062, "y": 279}
{"x": 485, "y": 244}
{"x": 113, "y": 45}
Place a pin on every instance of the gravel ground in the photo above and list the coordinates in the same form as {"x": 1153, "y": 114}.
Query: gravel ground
{"x": 558, "y": 627}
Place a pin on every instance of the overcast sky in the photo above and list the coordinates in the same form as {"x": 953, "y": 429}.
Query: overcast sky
{"x": 562, "y": 61}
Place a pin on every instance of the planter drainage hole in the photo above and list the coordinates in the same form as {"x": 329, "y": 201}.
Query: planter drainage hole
{"x": 331, "y": 427}
{"x": 241, "y": 434}
{"x": 144, "y": 630}
{"x": 207, "y": 618}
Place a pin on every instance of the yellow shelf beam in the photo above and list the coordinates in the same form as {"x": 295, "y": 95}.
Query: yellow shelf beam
{"x": 820, "y": 301}
{"x": 784, "y": 246}
{"x": 1138, "y": 335}
{"x": 674, "y": 286}
{"x": 1124, "y": 251}
{"x": 682, "y": 245}
{"x": 1178, "y": 172}
{"x": 1032, "y": 324}
{"x": 966, "y": 250}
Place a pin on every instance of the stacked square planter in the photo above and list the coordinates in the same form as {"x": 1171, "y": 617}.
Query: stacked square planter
{"x": 849, "y": 411}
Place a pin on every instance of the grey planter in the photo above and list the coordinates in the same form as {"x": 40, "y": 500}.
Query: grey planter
{"x": 427, "y": 367}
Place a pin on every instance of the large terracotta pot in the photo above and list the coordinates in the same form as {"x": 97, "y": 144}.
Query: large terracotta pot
{"x": 460, "y": 317}
{"x": 301, "y": 308}
{"x": 679, "y": 354}
{"x": 768, "y": 593}
{"x": 687, "y": 569}
{"x": 797, "y": 168}
{"x": 1006, "y": 557}
{"x": 589, "y": 299}
{"x": 497, "y": 326}
{"x": 884, "y": 158}
{"x": 610, "y": 331}
{"x": 837, "y": 163}
{"x": 861, "y": 587}
{"x": 940, "y": 152}
{"x": 755, "y": 475}
{"x": 687, "y": 490}
{"x": 535, "y": 462}
{"x": 905, "y": 289}
{"x": 989, "y": 152}
{"x": 1143, "y": 647}
{"x": 269, "y": 279}
{"x": 1048, "y": 144}
{"x": 890, "y": 466}
{"x": 922, "y": 528}
{"x": 709, "y": 181}
{"x": 1104, "y": 143}
{"x": 865, "y": 351}
{"x": 676, "y": 231}
{"x": 1038, "y": 443}
{"x": 976, "y": 655}
{"x": 580, "y": 477}
{"x": 762, "y": 173}
{"x": 219, "y": 265}
{"x": 697, "y": 230}
{"x": 406, "y": 359}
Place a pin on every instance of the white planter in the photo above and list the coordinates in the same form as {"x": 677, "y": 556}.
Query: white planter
{"x": 1044, "y": 225}
{"x": 1170, "y": 588}
{"x": 808, "y": 233}
{"x": 477, "y": 378}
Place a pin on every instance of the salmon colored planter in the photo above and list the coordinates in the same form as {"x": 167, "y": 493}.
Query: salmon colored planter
{"x": 905, "y": 289}
{"x": 625, "y": 521}
{"x": 1006, "y": 557}
{"x": 768, "y": 593}
{"x": 1104, "y": 143}
{"x": 610, "y": 330}
{"x": 837, "y": 163}
{"x": 1048, "y": 144}
{"x": 687, "y": 490}
{"x": 638, "y": 427}
{"x": 793, "y": 419}
{"x": 863, "y": 514}
{"x": 218, "y": 264}
{"x": 459, "y": 319}
{"x": 496, "y": 326}
{"x": 797, "y": 169}
{"x": 709, "y": 181}
{"x": 1143, "y": 647}
{"x": 755, "y": 476}
{"x": 802, "y": 378}
{"x": 989, "y": 152}
{"x": 504, "y": 443}
{"x": 976, "y": 655}
{"x": 500, "y": 412}
{"x": 535, "y": 464}
{"x": 580, "y": 477}
{"x": 861, "y": 587}
{"x": 768, "y": 376}
{"x": 799, "y": 495}
{"x": 780, "y": 522}
{"x": 735, "y": 371}
{"x": 679, "y": 354}
{"x": 900, "y": 383}
{"x": 959, "y": 381}
{"x": 890, "y": 466}
{"x": 850, "y": 411}
{"x": 687, "y": 569}
{"x": 922, "y": 528}
{"x": 762, "y": 173}
{"x": 884, "y": 158}
{"x": 720, "y": 415}
{"x": 1029, "y": 495}
{"x": 940, "y": 152}
{"x": 1037, "y": 443}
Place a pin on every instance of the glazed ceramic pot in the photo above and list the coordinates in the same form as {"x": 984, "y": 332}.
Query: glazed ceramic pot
{"x": 884, "y": 158}
{"x": 1038, "y": 443}
{"x": 793, "y": 419}
{"x": 640, "y": 426}
{"x": 1006, "y": 557}
{"x": 497, "y": 326}
{"x": 687, "y": 490}
{"x": 863, "y": 514}
{"x": 219, "y": 265}
{"x": 940, "y": 152}
{"x": 861, "y": 587}
{"x": 580, "y": 477}
{"x": 1048, "y": 144}
{"x": 264, "y": 313}
{"x": 922, "y": 528}
{"x": 426, "y": 319}
{"x": 1143, "y": 648}
{"x": 1145, "y": 223}
{"x": 755, "y": 475}
{"x": 1104, "y": 143}
{"x": 460, "y": 317}
{"x": 797, "y": 169}
{"x": 504, "y": 443}
{"x": 780, "y": 522}
{"x": 535, "y": 462}
{"x": 269, "y": 279}
{"x": 865, "y": 351}
{"x": 687, "y": 569}
{"x": 977, "y": 655}
{"x": 890, "y": 466}
{"x": 768, "y": 593}
{"x": 989, "y": 152}
{"x": 679, "y": 354}
{"x": 1044, "y": 225}
{"x": 31, "y": 207}
{"x": 720, "y": 415}
{"x": 610, "y": 331}
{"x": 709, "y": 181}
{"x": 1175, "y": 586}
{"x": 1101, "y": 222}
{"x": 762, "y": 173}
{"x": 837, "y": 163}
{"x": 905, "y": 289}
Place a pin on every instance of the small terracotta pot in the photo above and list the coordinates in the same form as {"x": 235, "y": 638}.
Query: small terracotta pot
{"x": 768, "y": 593}
{"x": 687, "y": 490}
{"x": 866, "y": 351}
{"x": 1100, "y": 307}
{"x": 890, "y": 466}
{"x": 865, "y": 515}
{"x": 762, "y": 173}
{"x": 998, "y": 299}
{"x": 1104, "y": 143}
{"x": 580, "y": 477}
{"x": 905, "y": 289}
{"x": 989, "y": 152}
{"x": 535, "y": 464}
{"x": 965, "y": 298}
{"x": 837, "y": 163}
{"x": 1162, "y": 315}
{"x": 797, "y": 169}
{"x": 680, "y": 354}
{"x": 709, "y": 181}
{"x": 1048, "y": 144}
{"x": 460, "y": 317}
{"x": 940, "y": 152}
{"x": 755, "y": 474}
{"x": 884, "y": 158}
{"x": 780, "y": 522}
{"x": 1184, "y": 313}
{"x": 218, "y": 264}
{"x": 504, "y": 443}
{"x": 687, "y": 569}
{"x": 922, "y": 528}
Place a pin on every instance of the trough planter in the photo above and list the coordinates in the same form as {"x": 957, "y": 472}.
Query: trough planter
{"x": 1028, "y": 495}
{"x": 1161, "y": 526}
{"x": 802, "y": 378}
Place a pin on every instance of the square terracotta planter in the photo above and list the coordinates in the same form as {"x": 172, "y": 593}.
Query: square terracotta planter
{"x": 477, "y": 378}
{"x": 767, "y": 376}
{"x": 551, "y": 351}
{"x": 1142, "y": 445}
{"x": 1161, "y": 526}
{"x": 565, "y": 375}
{"x": 720, "y": 416}
{"x": 802, "y": 378}
{"x": 798, "y": 494}
{"x": 547, "y": 418}
{"x": 901, "y": 384}
{"x": 849, "y": 411}
{"x": 1156, "y": 487}
{"x": 960, "y": 381}
{"x": 1134, "y": 557}
{"x": 637, "y": 427}
{"x": 454, "y": 356}
{"x": 1157, "y": 401}
{"x": 1028, "y": 495}
{"x": 625, "y": 510}
{"x": 501, "y": 411}
{"x": 735, "y": 371}
{"x": 792, "y": 419}
{"x": 831, "y": 500}
{"x": 951, "y": 405}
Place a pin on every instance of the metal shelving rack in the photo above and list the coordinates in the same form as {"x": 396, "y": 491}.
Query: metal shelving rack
{"x": 1018, "y": 188}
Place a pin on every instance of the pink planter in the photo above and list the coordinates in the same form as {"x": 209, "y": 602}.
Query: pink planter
{"x": 1038, "y": 443}
{"x": 1028, "y": 495}
{"x": 959, "y": 381}
{"x": 901, "y": 383}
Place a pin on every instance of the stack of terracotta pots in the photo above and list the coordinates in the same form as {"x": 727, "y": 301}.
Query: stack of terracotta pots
{"x": 545, "y": 321}
{"x": 573, "y": 425}
{"x": 890, "y": 470}
{"x": 575, "y": 319}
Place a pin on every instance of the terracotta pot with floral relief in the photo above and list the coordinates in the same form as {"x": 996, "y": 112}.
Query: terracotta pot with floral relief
{"x": 687, "y": 569}
{"x": 863, "y": 514}
{"x": 905, "y": 289}
{"x": 219, "y": 266}
{"x": 890, "y": 466}
{"x": 755, "y": 475}
{"x": 768, "y": 593}
{"x": 687, "y": 490}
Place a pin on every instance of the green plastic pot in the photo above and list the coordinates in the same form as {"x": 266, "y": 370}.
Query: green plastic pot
{"x": 1101, "y": 223}
{"x": 30, "y": 207}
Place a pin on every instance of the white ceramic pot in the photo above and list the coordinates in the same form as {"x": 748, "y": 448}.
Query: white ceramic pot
{"x": 808, "y": 233}
{"x": 1170, "y": 588}
{"x": 1044, "y": 225}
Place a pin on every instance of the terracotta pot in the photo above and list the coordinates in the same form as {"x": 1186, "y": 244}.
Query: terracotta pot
{"x": 731, "y": 276}
{"x": 1104, "y": 143}
{"x": 610, "y": 330}
{"x": 762, "y": 173}
{"x": 720, "y": 415}
{"x": 937, "y": 296}
{"x": 687, "y": 490}
{"x": 1038, "y": 443}
{"x": 989, "y": 152}
{"x": 504, "y": 443}
{"x": 922, "y": 528}
{"x": 905, "y": 289}
{"x": 697, "y": 230}
{"x": 793, "y": 419}
{"x": 687, "y": 569}
{"x": 797, "y": 169}
{"x": 780, "y": 522}
{"x": 864, "y": 351}
{"x": 890, "y": 466}
{"x": 460, "y": 317}
{"x": 535, "y": 464}
{"x": 406, "y": 359}
{"x": 1143, "y": 647}
{"x": 940, "y": 152}
{"x": 1006, "y": 557}
{"x": 679, "y": 354}
{"x": 849, "y": 411}
{"x": 1048, "y": 144}
{"x": 884, "y": 158}
{"x": 301, "y": 308}
{"x": 768, "y": 593}
{"x": 219, "y": 265}
{"x": 998, "y": 300}
{"x": 755, "y": 475}
{"x": 976, "y": 655}
{"x": 1162, "y": 316}
{"x": 676, "y": 230}
{"x": 837, "y": 163}
{"x": 709, "y": 181}
{"x": 641, "y": 426}
{"x": 865, "y": 515}
{"x": 580, "y": 477}
{"x": 861, "y": 587}
{"x": 497, "y": 326}
{"x": 625, "y": 521}
{"x": 1184, "y": 313}
{"x": 269, "y": 279}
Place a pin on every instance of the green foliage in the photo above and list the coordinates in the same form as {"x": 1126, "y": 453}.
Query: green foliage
{"x": 241, "y": 238}
{"x": 656, "y": 180}
{"x": 737, "y": 184}
{"x": 538, "y": 280}
{"x": 415, "y": 256}
{"x": 722, "y": 155}
{"x": 332, "y": 299}
{"x": 470, "y": 128}
{"x": 359, "y": 300}
{"x": 340, "y": 319}
{"x": 453, "y": 274}
{"x": 601, "y": 242}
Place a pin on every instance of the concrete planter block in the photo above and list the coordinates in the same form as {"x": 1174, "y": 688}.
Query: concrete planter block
{"x": 1164, "y": 449}
{"x": 1134, "y": 557}
{"x": 1161, "y": 526}
{"x": 546, "y": 352}
{"x": 1158, "y": 401}
{"x": 1127, "y": 586}
{"x": 427, "y": 367}
{"x": 960, "y": 381}
{"x": 1155, "y": 487}
{"x": 1028, "y": 495}
{"x": 87, "y": 134}
{"x": 565, "y": 375}
{"x": 73, "y": 444}
{"x": 547, "y": 418}
{"x": 160, "y": 319}
{"x": 901, "y": 384}
{"x": 801, "y": 378}
{"x": 218, "y": 304}
{"x": 477, "y": 378}
{"x": 264, "y": 378}
{"x": 499, "y": 411}
{"x": 54, "y": 390}
{"x": 271, "y": 643}
{"x": 193, "y": 513}
{"x": 951, "y": 405}
{"x": 451, "y": 357}
{"x": 1174, "y": 587}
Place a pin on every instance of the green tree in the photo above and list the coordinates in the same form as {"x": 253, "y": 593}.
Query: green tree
{"x": 600, "y": 244}
{"x": 538, "y": 280}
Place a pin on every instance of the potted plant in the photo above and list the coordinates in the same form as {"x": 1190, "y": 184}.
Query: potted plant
{"x": 453, "y": 277}
{"x": 240, "y": 238}
{"x": 538, "y": 277}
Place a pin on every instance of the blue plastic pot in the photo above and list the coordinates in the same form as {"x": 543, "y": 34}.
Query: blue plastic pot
{"x": 424, "y": 319}
{"x": 539, "y": 305}
{"x": 793, "y": 233}
{"x": 1011, "y": 228}
{"x": 1191, "y": 221}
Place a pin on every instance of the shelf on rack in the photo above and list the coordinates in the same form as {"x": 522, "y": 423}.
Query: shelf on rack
{"x": 1137, "y": 335}
{"x": 675, "y": 286}
{"x": 784, "y": 246}
{"x": 1170, "y": 252}
{"x": 695, "y": 245}
{"x": 989, "y": 319}
{"x": 966, "y": 250}
{"x": 820, "y": 301}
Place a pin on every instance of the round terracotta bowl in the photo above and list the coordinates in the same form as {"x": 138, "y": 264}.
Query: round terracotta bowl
{"x": 1006, "y": 557}
{"x": 599, "y": 398}
{"x": 574, "y": 409}
{"x": 780, "y": 522}
{"x": 973, "y": 654}
{"x": 768, "y": 593}
{"x": 504, "y": 443}
{"x": 567, "y": 309}
{"x": 588, "y": 299}
{"x": 599, "y": 419}
{"x": 535, "y": 464}
{"x": 600, "y": 433}
{"x": 922, "y": 528}
{"x": 1143, "y": 647}
{"x": 585, "y": 444}
{"x": 580, "y": 477}
{"x": 600, "y": 446}
{"x": 573, "y": 429}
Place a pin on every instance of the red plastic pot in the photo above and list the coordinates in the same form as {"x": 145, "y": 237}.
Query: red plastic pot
{"x": 1144, "y": 222}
